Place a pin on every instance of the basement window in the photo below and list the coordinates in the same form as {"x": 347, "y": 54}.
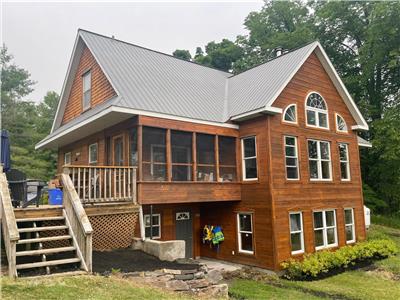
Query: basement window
{"x": 245, "y": 232}
{"x": 87, "y": 90}
{"x": 349, "y": 223}
{"x": 296, "y": 232}
{"x": 325, "y": 234}
{"x": 154, "y": 228}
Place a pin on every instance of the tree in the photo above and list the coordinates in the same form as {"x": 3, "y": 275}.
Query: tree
{"x": 182, "y": 54}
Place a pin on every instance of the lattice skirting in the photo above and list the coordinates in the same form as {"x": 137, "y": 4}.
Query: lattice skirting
{"x": 113, "y": 231}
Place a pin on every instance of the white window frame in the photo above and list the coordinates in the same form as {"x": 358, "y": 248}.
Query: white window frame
{"x": 97, "y": 154}
{"x": 317, "y": 111}
{"x": 86, "y": 89}
{"x": 350, "y": 224}
{"x": 347, "y": 162}
{"x": 240, "y": 231}
{"x": 251, "y": 157}
{"x": 159, "y": 225}
{"x": 320, "y": 160}
{"x": 68, "y": 154}
{"x": 296, "y": 156}
{"x": 298, "y": 231}
{"x": 325, "y": 229}
{"x": 295, "y": 114}
{"x": 337, "y": 124}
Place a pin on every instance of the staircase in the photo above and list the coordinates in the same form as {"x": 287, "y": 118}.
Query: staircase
{"x": 47, "y": 245}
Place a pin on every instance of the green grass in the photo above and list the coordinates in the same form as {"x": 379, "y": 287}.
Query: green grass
{"x": 80, "y": 287}
{"x": 390, "y": 221}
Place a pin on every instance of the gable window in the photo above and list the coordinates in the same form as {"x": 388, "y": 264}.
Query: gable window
{"x": 67, "y": 158}
{"x": 290, "y": 114}
{"x": 349, "y": 223}
{"x": 316, "y": 111}
{"x": 245, "y": 232}
{"x": 87, "y": 90}
{"x": 319, "y": 157}
{"x": 344, "y": 162}
{"x": 341, "y": 125}
{"x": 296, "y": 232}
{"x": 325, "y": 234}
{"x": 93, "y": 153}
{"x": 291, "y": 158}
{"x": 249, "y": 158}
{"x": 152, "y": 230}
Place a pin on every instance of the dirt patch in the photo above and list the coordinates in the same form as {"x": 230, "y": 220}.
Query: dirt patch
{"x": 128, "y": 260}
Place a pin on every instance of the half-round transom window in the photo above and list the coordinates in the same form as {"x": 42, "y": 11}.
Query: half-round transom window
{"x": 290, "y": 114}
{"x": 316, "y": 111}
{"x": 340, "y": 124}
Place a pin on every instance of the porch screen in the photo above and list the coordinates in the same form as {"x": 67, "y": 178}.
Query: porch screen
{"x": 181, "y": 152}
{"x": 154, "y": 154}
{"x": 227, "y": 158}
{"x": 205, "y": 149}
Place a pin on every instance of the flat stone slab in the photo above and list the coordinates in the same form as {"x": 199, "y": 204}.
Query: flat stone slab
{"x": 184, "y": 276}
{"x": 177, "y": 285}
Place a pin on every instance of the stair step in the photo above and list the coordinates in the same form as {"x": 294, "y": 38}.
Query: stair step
{"x": 45, "y": 251}
{"x": 45, "y": 228}
{"x": 48, "y": 263}
{"x": 41, "y": 219}
{"x": 45, "y": 239}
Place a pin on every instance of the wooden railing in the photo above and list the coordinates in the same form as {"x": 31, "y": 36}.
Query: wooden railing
{"x": 103, "y": 183}
{"x": 78, "y": 221}
{"x": 9, "y": 225}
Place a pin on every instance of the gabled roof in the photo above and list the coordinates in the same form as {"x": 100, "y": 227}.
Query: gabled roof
{"x": 150, "y": 82}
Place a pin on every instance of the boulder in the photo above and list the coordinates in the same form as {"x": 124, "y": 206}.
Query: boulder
{"x": 172, "y": 271}
{"x": 215, "y": 291}
{"x": 177, "y": 285}
{"x": 198, "y": 284}
{"x": 214, "y": 276}
{"x": 199, "y": 275}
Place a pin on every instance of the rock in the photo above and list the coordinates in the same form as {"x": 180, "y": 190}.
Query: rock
{"x": 177, "y": 285}
{"x": 184, "y": 276}
{"x": 199, "y": 275}
{"x": 214, "y": 276}
{"x": 215, "y": 291}
{"x": 165, "y": 277}
{"x": 188, "y": 271}
{"x": 172, "y": 271}
{"x": 203, "y": 268}
{"x": 133, "y": 274}
{"x": 198, "y": 284}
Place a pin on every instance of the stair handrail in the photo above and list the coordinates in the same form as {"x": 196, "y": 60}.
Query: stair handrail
{"x": 79, "y": 221}
{"x": 8, "y": 224}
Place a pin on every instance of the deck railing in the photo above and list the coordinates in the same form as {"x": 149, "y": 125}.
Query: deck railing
{"x": 96, "y": 184}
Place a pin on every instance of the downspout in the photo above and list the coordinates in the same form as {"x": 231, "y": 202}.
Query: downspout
{"x": 141, "y": 223}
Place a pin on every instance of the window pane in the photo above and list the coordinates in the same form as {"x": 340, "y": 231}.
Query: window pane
{"x": 318, "y": 222}
{"x": 331, "y": 236}
{"x": 93, "y": 153}
{"x": 291, "y": 172}
{"x": 249, "y": 145}
{"x": 206, "y": 173}
{"x": 154, "y": 143}
{"x": 290, "y": 114}
{"x": 118, "y": 152}
{"x": 343, "y": 151}
{"x": 312, "y": 149}
{"x": 291, "y": 161}
{"x": 343, "y": 170}
{"x": 326, "y": 171}
{"x": 251, "y": 168}
{"x": 324, "y": 150}
{"x": 290, "y": 141}
{"x": 245, "y": 222}
{"x": 181, "y": 173}
{"x": 133, "y": 147}
{"x": 227, "y": 174}
{"x": 205, "y": 149}
{"x": 319, "y": 239}
{"x": 323, "y": 120}
{"x": 290, "y": 151}
{"x": 330, "y": 218}
{"x": 295, "y": 239}
{"x": 313, "y": 169}
{"x": 311, "y": 120}
{"x": 295, "y": 222}
{"x": 156, "y": 220}
{"x": 147, "y": 220}
{"x": 348, "y": 216}
{"x": 86, "y": 99}
{"x": 154, "y": 172}
{"x": 181, "y": 147}
{"x": 247, "y": 241}
{"x": 87, "y": 78}
{"x": 227, "y": 150}
{"x": 349, "y": 233}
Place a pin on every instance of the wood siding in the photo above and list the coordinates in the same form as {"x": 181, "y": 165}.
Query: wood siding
{"x": 101, "y": 88}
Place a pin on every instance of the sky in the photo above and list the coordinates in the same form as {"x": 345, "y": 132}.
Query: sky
{"x": 41, "y": 35}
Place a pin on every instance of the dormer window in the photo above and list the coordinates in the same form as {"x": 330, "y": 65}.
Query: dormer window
{"x": 290, "y": 114}
{"x": 87, "y": 90}
{"x": 341, "y": 125}
{"x": 316, "y": 111}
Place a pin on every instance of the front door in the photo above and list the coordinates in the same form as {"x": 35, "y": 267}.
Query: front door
{"x": 184, "y": 231}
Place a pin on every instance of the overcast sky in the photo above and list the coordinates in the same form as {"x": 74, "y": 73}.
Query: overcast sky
{"x": 41, "y": 35}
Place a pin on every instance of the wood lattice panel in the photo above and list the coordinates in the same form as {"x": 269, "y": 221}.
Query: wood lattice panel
{"x": 113, "y": 231}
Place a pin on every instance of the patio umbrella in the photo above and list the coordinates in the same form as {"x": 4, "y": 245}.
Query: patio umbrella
{"x": 5, "y": 151}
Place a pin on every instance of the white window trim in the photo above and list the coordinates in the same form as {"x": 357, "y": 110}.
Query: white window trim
{"x": 316, "y": 110}
{"x": 295, "y": 111}
{"x": 296, "y": 156}
{"x": 325, "y": 229}
{"x": 337, "y": 124}
{"x": 319, "y": 161}
{"x": 251, "y": 157}
{"x": 89, "y": 158}
{"x": 239, "y": 232}
{"x": 87, "y": 73}
{"x": 159, "y": 225}
{"x": 65, "y": 158}
{"x": 352, "y": 225}
{"x": 299, "y": 231}
{"x": 347, "y": 161}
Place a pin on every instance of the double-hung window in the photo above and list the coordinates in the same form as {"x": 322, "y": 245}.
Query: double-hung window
{"x": 344, "y": 162}
{"x": 291, "y": 158}
{"x": 245, "y": 232}
{"x": 87, "y": 90}
{"x": 93, "y": 153}
{"x": 349, "y": 223}
{"x": 67, "y": 158}
{"x": 319, "y": 157}
{"x": 249, "y": 158}
{"x": 325, "y": 234}
{"x": 152, "y": 229}
{"x": 296, "y": 232}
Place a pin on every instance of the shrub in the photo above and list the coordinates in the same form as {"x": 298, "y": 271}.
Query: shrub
{"x": 322, "y": 262}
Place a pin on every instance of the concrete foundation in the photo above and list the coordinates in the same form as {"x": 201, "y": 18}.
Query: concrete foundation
{"x": 164, "y": 250}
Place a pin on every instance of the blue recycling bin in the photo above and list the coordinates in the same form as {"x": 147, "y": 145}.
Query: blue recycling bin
{"x": 55, "y": 197}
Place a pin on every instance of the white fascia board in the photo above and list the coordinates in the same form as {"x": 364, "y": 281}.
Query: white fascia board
{"x": 360, "y": 127}
{"x": 264, "y": 110}
{"x": 364, "y": 145}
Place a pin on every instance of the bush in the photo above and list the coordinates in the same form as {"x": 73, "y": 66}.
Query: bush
{"x": 319, "y": 263}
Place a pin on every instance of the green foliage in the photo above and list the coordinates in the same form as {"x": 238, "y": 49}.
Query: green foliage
{"x": 372, "y": 199}
{"x": 390, "y": 221}
{"x": 318, "y": 263}
{"x": 183, "y": 54}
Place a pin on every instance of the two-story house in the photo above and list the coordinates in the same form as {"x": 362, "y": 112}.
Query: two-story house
{"x": 271, "y": 155}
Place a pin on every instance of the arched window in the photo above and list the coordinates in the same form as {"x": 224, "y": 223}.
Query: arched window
{"x": 290, "y": 114}
{"x": 316, "y": 111}
{"x": 340, "y": 124}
